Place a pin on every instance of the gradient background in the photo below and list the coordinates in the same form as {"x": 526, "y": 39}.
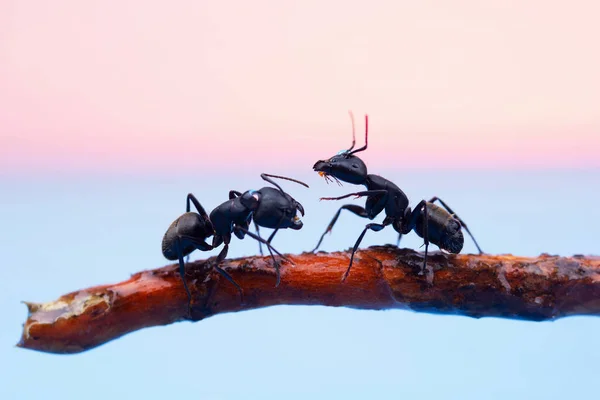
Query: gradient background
{"x": 111, "y": 112}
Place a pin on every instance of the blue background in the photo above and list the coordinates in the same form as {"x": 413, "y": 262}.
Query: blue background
{"x": 65, "y": 232}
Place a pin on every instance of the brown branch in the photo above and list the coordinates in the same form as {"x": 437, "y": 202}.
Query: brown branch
{"x": 547, "y": 287}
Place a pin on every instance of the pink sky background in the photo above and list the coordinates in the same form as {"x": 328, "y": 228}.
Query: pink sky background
{"x": 157, "y": 85}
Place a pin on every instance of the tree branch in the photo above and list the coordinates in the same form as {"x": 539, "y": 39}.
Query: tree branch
{"x": 383, "y": 277}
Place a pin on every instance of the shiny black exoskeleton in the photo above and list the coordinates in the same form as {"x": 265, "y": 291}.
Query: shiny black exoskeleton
{"x": 437, "y": 225}
{"x": 268, "y": 207}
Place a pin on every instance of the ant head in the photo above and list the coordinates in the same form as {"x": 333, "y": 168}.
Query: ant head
{"x": 250, "y": 199}
{"x": 291, "y": 219}
{"x": 345, "y": 166}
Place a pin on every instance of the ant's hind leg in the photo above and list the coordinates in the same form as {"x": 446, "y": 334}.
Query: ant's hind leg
{"x": 200, "y": 245}
{"x": 435, "y": 198}
{"x": 182, "y": 275}
{"x": 425, "y": 235}
{"x": 357, "y": 210}
{"x": 199, "y": 208}
{"x": 193, "y": 199}
{"x": 412, "y": 222}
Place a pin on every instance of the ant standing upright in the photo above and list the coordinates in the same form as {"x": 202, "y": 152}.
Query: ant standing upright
{"x": 437, "y": 225}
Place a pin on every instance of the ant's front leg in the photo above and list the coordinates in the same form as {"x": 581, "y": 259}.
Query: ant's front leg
{"x": 375, "y": 204}
{"x": 253, "y": 236}
{"x": 435, "y": 198}
{"x": 357, "y": 210}
{"x": 358, "y": 194}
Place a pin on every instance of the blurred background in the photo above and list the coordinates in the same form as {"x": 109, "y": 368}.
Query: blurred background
{"x": 110, "y": 113}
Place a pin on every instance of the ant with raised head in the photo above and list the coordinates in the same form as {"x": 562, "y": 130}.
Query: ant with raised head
{"x": 269, "y": 207}
{"x": 437, "y": 225}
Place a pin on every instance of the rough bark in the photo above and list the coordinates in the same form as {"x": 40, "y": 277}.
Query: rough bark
{"x": 383, "y": 277}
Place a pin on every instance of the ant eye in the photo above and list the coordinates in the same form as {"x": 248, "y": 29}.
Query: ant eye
{"x": 354, "y": 165}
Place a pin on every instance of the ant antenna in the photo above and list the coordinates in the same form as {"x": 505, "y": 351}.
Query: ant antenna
{"x": 353, "y": 132}
{"x": 266, "y": 178}
{"x": 366, "y": 137}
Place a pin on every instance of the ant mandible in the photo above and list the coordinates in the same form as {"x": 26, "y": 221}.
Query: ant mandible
{"x": 437, "y": 225}
{"x": 271, "y": 208}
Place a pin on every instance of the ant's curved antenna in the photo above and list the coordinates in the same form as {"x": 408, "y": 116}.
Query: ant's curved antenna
{"x": 266, "y": 178}
{"x": 353, "y": 132}
{"x": 366, "y": 137}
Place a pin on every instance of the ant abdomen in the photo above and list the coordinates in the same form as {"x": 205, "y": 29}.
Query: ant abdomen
{"x": 443, "y": 229}
{"x": 189, "y": 224}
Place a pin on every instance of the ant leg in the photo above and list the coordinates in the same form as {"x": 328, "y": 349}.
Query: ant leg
{"x": 182, "y": 274}
{"x": 199, "y": 244}
{"x": 258, "y": 234}
{"x": 199, "y": 208}
{"x": 275, "y": 263}
{"x": 269, "y": 247}
{"x": 421, "y": 207}
{"x": 357, "y": 194}
{"x": 253, "y": 236}
{"x": 425, "y": 234}
{"x": 373, "y": 227}
{"x": 224, "y": 273}
{"x": 193, "y": 199}
{"x": 358, "y": 210}
{"x": 433, "y": 199}
{"x": 238, "y": 233}
{"x": 398, "y": 241}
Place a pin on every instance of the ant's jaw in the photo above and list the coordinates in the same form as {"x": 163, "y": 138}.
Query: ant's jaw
{"x": 297, "y": 223}
{"x": 322, "y": 167}
{"x": 300, "y": 208}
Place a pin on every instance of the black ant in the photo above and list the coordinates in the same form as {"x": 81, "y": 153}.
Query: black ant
{"x": 269, "y": 207}
{"x": 437, "y": 225}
